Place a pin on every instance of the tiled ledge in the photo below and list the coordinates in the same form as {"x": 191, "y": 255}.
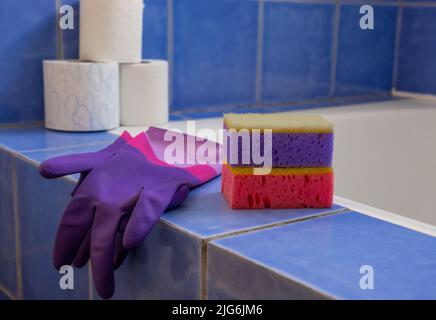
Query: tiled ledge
{"x": 201, "y": 249}
{"x": 322, "y": 258}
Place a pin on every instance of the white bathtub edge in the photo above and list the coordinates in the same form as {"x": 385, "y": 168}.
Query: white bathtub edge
{"x": 386, "y": 216}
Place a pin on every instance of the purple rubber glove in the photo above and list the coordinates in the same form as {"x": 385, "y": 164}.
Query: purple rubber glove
{"x": 83, "y": 163}
{"x": 135, "y": 183}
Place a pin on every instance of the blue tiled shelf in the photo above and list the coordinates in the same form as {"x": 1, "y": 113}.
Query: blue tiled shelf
{"x": 201, "y": 249}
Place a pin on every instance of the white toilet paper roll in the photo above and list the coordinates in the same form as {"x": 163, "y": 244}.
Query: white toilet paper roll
{"x": 144, "y": 93}
{"x": 81, "y": 96}
{"x": 111, "y": 30}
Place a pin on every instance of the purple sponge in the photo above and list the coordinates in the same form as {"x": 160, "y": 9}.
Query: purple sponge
{"x": 297, "y": 140}
{"x": 293, "y": 150}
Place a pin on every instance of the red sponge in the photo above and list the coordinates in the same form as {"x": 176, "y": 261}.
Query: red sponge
{"x": 282, "y": 188}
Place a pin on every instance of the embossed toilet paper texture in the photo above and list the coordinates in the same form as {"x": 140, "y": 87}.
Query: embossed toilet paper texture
{"x": 81, "y": 96}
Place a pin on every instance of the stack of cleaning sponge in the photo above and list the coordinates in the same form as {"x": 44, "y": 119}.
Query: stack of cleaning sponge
{"x": 301, "y": 175}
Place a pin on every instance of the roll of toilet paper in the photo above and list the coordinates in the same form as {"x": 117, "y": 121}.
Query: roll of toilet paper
{"x": 144, "y": 93}
{"x": 81, "y": 96}
{"x": 111, "y": 30}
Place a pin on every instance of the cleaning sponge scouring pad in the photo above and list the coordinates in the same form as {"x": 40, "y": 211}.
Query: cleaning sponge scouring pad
{"x": 298, "y": 140}
{"x": 282, "y": 188}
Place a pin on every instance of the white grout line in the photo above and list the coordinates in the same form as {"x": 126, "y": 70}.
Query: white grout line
{"x": 326, "y": 213}
{"x": 397, "y": 44}
{"x": 59, "y": 39}
{"x": 334, "y": 49}
{"x": 19, "y": 273}
{"x": 387, "y": 216}
{"x": 170, "y": 50}
{"x": 259, "y": 56}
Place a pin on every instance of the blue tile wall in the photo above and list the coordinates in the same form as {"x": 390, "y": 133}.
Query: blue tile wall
{"x": 214, "y": 53}
{"x": 40, "y": 204}
{"x": 34, "y": 138}
{"x": 322, "y": 258}
{"x": 155, "y": 29}
{"x": 365, "y": 57}
{"x": 28, "y": 35}
{"x": 70, "y": 38}
{"x": 166, "y": 266}
{"x": 238, "y": 54}
{"x": 417, "y": 52}
{"x": 297, "y": 51}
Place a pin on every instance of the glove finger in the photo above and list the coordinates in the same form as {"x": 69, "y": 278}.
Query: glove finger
{"x": 178, "y": 198}
{"x": 120, "y": 251}
{"x": 103, "y": 235}
{"x": 148, "y": 209}
{"x": 70, "y": 164}
{"x": 83, "y": 254}
{"x": 75, "y": 223}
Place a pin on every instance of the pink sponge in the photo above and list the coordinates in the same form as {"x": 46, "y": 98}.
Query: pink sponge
{"x": 282, "y": 188}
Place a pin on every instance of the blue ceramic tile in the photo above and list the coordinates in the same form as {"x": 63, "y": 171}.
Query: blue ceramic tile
{"x": 365, "y": 57}
{"x": 28, "y": 36}
{"x": 8, "y": 276}
{"x": 232, "y": 277}
{"x": 302, "y": 106}
{"x": 41, "y": 203}
{"x": 218, "y": 112}
{"x": 336, "y": 102}
{"x": 176, "y": 117}
{"x": 70, "y": 38}
{"x": 214, "y": 52}
{"x": 23, "y": 139}
{"x": 297, "y": 51}
{"x": 326, "y": 255}
{"x": 202, "y": 114}
{"x": 155, "y": 25}
{"x": 166, "y": 266}
{"x": 417, "y": 63}
{"x": 44, "y": 154}
{"x": 205, "y": 213}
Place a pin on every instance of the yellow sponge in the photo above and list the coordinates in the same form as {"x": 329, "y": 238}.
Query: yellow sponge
{"x": 279, "y": 122}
